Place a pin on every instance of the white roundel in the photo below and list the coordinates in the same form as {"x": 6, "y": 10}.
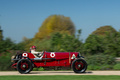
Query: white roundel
{"x": 52, "y": 54}
{"x": 25, "y": 54}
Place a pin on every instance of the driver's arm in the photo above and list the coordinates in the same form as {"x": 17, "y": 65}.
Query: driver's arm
{"x": 34, "y": 52}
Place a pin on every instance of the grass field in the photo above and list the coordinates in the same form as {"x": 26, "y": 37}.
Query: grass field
{"x": 71, "y": 77}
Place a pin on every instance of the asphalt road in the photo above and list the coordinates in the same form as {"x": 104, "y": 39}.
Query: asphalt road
{"x": 60, "y": 73}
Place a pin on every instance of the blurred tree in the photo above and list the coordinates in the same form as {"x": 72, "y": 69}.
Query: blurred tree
{"x": 1, "y": 35}
{"x": 65, "y": 43}
{"x": 58, "y": 42}
{"x": 26, "y": 44}
{"x": 112, "y": 44}
{"x": 93, "y": 45}
{"x": 105, "y": 40}
{"x": 5, "y": 62}
{"x": 79, "y": 33}
{"x": 100, "y": 62}
{"x": 55, "y": 23}
{"x": 102, "y": 31}
{"x": 7, "y": 45}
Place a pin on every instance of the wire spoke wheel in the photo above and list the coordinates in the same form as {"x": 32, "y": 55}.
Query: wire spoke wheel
{"x": 24, "y": 66}
{"x": 79, "y": 66}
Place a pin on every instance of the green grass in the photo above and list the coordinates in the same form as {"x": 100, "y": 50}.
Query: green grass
{"x": 58, "y": 77}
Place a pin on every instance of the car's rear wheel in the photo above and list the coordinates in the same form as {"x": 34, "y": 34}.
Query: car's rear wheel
{"x": 79, "y": 66}
{"x": 24, "y": 66}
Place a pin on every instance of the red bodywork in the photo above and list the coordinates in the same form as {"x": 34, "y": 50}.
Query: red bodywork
{"x": 51, "y": 59}
{"x": 54, "y": 59}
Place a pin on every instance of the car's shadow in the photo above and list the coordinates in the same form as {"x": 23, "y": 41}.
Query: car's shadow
{"x": 58, "y": 72}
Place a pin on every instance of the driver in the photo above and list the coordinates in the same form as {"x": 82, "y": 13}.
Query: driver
{"x": 36, "y": 54}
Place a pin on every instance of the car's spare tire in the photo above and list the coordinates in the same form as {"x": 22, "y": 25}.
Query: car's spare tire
{"x": 24, "y": 66}
{"x": 79, "y": 66}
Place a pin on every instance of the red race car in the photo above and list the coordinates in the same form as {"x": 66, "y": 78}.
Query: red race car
{"x": 25, "y": 62}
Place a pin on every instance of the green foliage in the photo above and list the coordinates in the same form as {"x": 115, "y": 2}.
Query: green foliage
{"x": 100, "y": 62}
{"x": 7, "y": 49}
{"x": 93, "y": 45}
{"x": 104, "y": 40}
{"x": 57, "y": 42}
{"x": 5, "y": 62}
{"x": 7, "y": 45}
{"x": 38, "y": 69}
{"x": 26, "y": 44}
{"x": 116, "y": 66}
{"x": 1, "y": 36}
{"x": 112, "y": 42}
{"x": 108, "y": 44}
{"x": 65, "y": 43}
{"x": 42, "y": 44}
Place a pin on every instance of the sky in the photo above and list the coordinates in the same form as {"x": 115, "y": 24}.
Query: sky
{"x": 23, "y": 18}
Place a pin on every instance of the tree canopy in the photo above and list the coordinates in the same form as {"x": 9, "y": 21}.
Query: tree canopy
{"x": 55, "y": 23}
{"x": 105, "y": 40}
{"x": 102, "y": 31}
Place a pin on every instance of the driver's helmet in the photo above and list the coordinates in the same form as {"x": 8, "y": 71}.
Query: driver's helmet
{"x": 33, "y": 47}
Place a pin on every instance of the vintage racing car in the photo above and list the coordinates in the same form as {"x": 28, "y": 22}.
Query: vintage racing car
{"x": 25, "y": 62}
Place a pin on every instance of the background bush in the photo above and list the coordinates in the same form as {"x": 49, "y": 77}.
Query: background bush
{"x": 117, "y": 66}
{"x": 100, "y": 62}
{"x": 5, "y": 62}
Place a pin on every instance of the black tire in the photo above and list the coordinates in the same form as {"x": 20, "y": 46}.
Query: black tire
{"x": 24, "y": 66}
{"x": 79, "y": 66}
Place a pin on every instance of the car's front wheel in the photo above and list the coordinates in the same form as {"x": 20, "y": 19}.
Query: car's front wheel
{"x": 24, "y": 66}
{"x": 79, "y": 66}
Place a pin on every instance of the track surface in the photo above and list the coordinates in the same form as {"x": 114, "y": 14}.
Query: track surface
{"x": 61, "y": 73}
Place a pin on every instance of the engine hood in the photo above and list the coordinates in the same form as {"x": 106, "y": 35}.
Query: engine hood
{"x": 60, "y": 55}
